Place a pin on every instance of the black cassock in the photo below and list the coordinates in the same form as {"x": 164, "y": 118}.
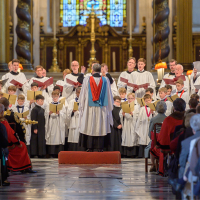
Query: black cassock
{"x": 116, "y": 134}
{"x": 38, "y": 142}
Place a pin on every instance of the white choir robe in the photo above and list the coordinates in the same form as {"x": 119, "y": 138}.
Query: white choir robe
{"x": 142, "y": 126}
{"x": 126, "y": 75}
{"x": 27, "y": 127}
{"x": 166, "y": 76}
{"x": 44, "y": 92}
{"x": 73, "y": 123}
{"x": 129, "y": 137}
{"x": 55, "y": 127}
{"x": 140, "y": 78}
{"x": 192, "y": 83}
{"x": 184, "y": 96}
{"x": 197, "y": 82}
{"x": 20, "y": 77}
{"x": 69, "y": 91}
{"x": 114, "y": 88}
{"x": 94, "y": 121}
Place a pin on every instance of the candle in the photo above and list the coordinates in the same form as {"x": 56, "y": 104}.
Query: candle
{"x": 54, "y": 21}
{"x": 70, "y": 58}
{"x": 114, "y": 61}
{"x": 159, "y": 71}
{"x": 130, "y": 21}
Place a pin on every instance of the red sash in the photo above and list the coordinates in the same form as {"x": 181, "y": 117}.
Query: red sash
{"x": 181, "y": 93}
{"x": 95, "y": 90}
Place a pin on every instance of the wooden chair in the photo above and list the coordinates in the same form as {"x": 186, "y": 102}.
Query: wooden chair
{"x": 155, "y": 143}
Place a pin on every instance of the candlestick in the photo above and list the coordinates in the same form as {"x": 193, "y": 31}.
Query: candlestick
{"x": 114, "y": 61}
{"x": 54, "y": 20}
{"x": 70, "y": 58}
{"x": 130, "y": 21}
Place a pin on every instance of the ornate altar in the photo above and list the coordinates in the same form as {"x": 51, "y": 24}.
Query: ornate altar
{"x": 111, "y": 46}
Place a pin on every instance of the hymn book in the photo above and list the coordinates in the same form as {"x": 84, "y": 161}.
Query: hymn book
{"x": 172, "y": 98}
{"x": 46, "y": 83}
{"x": 128, "y": 108}
{"x": 73, "y": 83}
{"x": 172, "y": 81}
{"x": 76, "y": 104}
{"x": 55, "y": 107}
{"x": 124, "y": 80}
{"x": 31, "y": 95}
{"x": 15, "y": 82}
{"x": 11, "y": 97}
{"x": 141, "y": 102}
{"x": 152, "y": 106}
{"x": 22, "y": 115}
{"x": 135, "y": 86}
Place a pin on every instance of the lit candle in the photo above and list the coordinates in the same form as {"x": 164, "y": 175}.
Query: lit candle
{"x": 54, "y": 21}
{"x": 159, "y": 72}
{"x": 114, "y": 61}
{"x": 70, "y": 58}
{"x": 130, "y": 21}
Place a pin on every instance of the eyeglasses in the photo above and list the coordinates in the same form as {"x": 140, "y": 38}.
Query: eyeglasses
{"x": 130, "y": 98}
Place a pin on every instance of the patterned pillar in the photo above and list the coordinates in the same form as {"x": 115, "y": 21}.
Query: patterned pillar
{"x": 4, "y": 35}
{"x": 161, "y": 30}
{"x": 23, "y": 30}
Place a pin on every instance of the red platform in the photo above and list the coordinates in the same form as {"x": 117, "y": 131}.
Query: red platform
{"x": 82, "y": 157}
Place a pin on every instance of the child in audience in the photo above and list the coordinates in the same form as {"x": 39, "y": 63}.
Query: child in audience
{"x": 163, "y": 97}
{"x": 169, "y": 90}
{"x": 38, "y": 142}
{"x": 116, "y": 129}
{"x": 55, "y": 127}
{"x": 128, "y": 121}
{"x": 12, "y": 91}
{"x": 122, "y": 94}
{"x": 181, "y": 91}
{"x": 150, "y": 92}
{"x": 142, "y": 125}
{"x": 73, "y": 124}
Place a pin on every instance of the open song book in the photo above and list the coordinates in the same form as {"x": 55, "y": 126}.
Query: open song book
{"x": 136, "y": 87}
{"x": 31, "y": 95}
{"x": 22, "y": 115}
{"x": 128, "y": 108}
{"x": 152, "y": 106}
{"x": 173, "y": 81}
{"x": 55, "y": 107}
{"x": 46, "y": 83}
{"x": 172, "y": 98}
{"x": 11, "y": 97}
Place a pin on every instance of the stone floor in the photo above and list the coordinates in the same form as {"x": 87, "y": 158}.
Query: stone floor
{"x": 53, "y": 181}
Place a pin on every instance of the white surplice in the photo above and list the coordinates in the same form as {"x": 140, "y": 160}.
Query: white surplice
{"x": 55, "y": 127}
{"x": 73, "y": 123}
{"x": 140, "y": 78}
{"x": 94, "y": 121}
{"x": 114, "y": 88}
{"x": 192, "y": 83}
{"x": 129, "y": 137}
{"x": 20, "y": 77}
{"x": 142, "y": 126}
{"x": 126, "y": 75}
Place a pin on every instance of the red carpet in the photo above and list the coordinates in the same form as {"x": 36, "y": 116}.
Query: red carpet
{"x": 82, "y": 157}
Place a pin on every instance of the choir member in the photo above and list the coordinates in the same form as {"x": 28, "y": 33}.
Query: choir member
{"x": 116, "y": 129}
{"x": 129, "y": 136}
{"x": 169, "y": 90}
{"x": 21, "y": 107}
{"x": 38, "y": 142}
{"x": 141, "y": 77}
{"x": 171, "y": 75}
{"x": 181, "y": 91}
{"x": 12, "y": 91}
{"x": 46, "y": 91}
{"x": 95, "y": 107}
{"x": 125, "y": 76}
{"x": 142, "y": 125}
{"x": 122, "y": 94}
{"x": 69, "y": 88}
{"x": 163, "y": 97}
{"x": 55, "y": 127}
{"x": 62, "y": 82}
{"x": 18, "y": 76}
{"x": 18, "y": 158}
{"x": 150, "y": 92}
{"x": 194, "y": 76}
{"x": 167, "y": 130}
{"x": 73, "y": 124}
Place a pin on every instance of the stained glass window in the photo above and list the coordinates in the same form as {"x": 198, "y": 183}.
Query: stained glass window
{"x": 75, "y": 12}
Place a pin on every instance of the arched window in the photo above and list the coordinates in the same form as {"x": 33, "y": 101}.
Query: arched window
{"x": 74, "y": 12}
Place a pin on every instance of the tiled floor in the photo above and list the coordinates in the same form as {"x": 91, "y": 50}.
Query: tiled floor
{"x": 90, "y": 182}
